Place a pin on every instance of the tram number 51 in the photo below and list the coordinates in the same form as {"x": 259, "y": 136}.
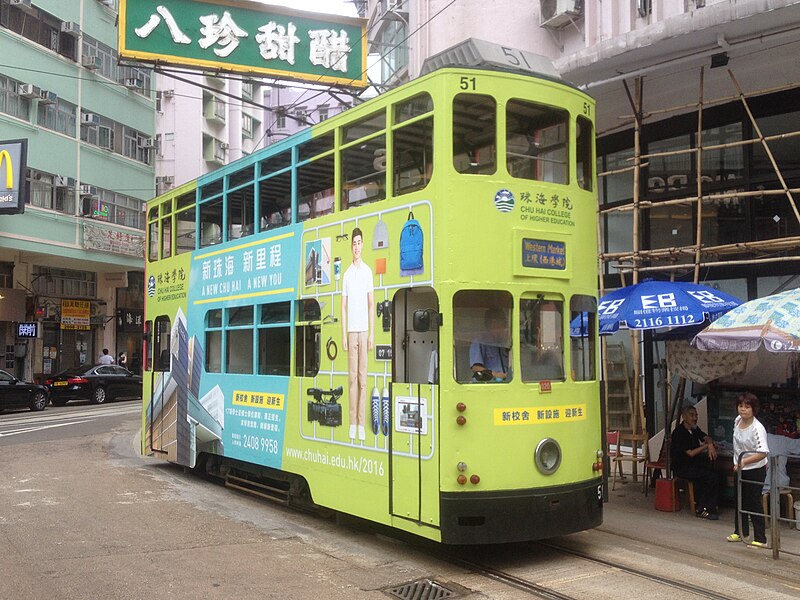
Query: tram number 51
{"x": 468, "y": 83}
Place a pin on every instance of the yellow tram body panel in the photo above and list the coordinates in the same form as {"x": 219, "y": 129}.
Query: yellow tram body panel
{"x": 473, "y": 196}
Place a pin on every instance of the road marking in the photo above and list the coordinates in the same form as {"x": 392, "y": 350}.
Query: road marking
{"x": 42, "y": 427}
{"x": 106, "y": 411}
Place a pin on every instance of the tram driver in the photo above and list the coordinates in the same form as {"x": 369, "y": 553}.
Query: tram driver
{"x": 489, "y": 353}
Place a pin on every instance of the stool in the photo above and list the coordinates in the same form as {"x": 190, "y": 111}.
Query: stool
{"x": 685, "y": 484}
{"x": 785, "y": 495}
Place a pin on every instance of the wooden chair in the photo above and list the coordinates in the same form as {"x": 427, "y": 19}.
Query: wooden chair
{"x": 612, "y": 448}
{"x": 650, "y": 466}
{"x": 638, "y": 454}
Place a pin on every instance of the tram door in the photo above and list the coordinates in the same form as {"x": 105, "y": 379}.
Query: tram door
{"x": 414, "y": 469}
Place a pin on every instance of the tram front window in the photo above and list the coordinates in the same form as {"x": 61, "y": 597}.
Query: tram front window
{"x": 541, "y": 339}
{"x": 482, "y": 336}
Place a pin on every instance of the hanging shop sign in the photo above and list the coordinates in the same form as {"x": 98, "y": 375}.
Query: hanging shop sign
{"x": 13, "y": 185}
{"x": 245, "y": 37}
{"x": 76, "y": 314}
{"x": 96, "y": 237}
{"x": 27, "y": 330}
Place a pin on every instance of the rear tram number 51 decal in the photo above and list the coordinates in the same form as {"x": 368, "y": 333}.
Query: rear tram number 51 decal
{"x": 468, "y": 83}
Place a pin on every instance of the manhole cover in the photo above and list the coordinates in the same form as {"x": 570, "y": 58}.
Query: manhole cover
{"x": 424, "y": 589}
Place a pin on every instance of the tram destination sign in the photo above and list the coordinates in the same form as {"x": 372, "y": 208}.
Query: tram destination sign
{"x": 245, "y": 38}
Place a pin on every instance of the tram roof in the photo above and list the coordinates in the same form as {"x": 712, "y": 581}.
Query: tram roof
{"x": 480, "y": 54}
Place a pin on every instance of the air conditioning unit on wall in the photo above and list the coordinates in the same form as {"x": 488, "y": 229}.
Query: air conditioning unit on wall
{"x": 554, "y": 14}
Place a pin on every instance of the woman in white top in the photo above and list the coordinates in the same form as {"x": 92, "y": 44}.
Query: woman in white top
{"x": 749, "y": 436}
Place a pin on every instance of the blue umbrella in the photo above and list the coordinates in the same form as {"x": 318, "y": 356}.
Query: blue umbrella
{"x": 579, "y": 326}
{"x": 655, "y": 304}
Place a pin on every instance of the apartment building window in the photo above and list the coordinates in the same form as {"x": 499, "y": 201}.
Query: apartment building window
{"x": 66, "y": 283}
{"x": 247, "y": 125}
{"x": 247, "y": 90}
{"x": 58, "y": 116}
{"x": 53, "y": 192}
{"x": 323, "y": 112}
{"x": 280, "y": 117}
{"x": 39, "y": 27}
{"x": 11, "y": 103}
{"x": 107, "y": 63}
{"x": 120, "y": 209}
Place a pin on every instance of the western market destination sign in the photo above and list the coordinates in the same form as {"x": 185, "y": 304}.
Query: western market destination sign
{"x": 245, "y": 37}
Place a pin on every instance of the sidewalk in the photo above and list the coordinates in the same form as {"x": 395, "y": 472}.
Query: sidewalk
{"x": 631, "y": 514}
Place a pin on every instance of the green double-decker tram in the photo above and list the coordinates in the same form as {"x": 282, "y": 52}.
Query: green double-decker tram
{"x": 392, "y": 313}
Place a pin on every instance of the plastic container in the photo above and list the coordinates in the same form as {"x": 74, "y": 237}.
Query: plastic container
{"x": 667, "y": 495}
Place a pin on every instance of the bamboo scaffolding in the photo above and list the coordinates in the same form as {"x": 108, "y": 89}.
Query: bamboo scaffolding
{"x": 689, "y": 258}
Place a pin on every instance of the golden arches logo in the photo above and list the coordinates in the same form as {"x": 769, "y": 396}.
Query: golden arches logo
{"x": 5, "y": 157}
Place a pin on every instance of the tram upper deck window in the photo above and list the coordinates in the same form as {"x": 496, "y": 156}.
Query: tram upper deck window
{"x": 211, "y": 223}
{"x": 241, "y": 211}
{"x": 184, "y": 234}
{"x": 315, "y": 180}
{"x": 536, "y": 142}
{"x": 475, "y": 134}
{"x": 582, "y": 340}
{"x": 184, "y": 223}
{"x": 363, "y": 159}
{"x": 152, "y": 236}
{"x": 275, "y": 201}
{"x": 482, "y": 344}
{"x": 541, "y": 339}
{"x": 583, "y": 150}
{"x": 412, "y": 144}
{"x": 166, "y": 236}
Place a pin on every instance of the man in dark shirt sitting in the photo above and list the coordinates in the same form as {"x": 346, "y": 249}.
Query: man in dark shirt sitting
{"x": 692, "y": 452}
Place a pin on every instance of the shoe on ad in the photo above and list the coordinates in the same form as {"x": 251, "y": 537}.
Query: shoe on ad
{"x": 352, "y": 432}
{"x": 362, "y": 434}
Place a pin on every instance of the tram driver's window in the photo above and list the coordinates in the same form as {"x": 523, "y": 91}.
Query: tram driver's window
{"x": 582, "y": 340}
{"x": 541, "y": 339}
{"x": 482, "y": 347}
{"x": 475, "y": 134}
{"x": 536, "y": 142}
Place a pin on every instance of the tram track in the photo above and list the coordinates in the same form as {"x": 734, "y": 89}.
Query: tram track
{"x": 548, "y": 592}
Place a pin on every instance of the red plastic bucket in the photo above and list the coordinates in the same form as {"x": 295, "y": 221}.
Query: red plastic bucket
{"x": 667, "y": 495}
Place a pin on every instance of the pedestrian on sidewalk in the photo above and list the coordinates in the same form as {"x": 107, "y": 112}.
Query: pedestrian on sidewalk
{"x": 106, "y": 358}
{"x": 749, "y": 436}
{"x": 692, "y": 453}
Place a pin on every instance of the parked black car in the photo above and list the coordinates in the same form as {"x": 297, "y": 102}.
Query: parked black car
{"x": 96, "y": 383}
{"x": 17, "y": 394}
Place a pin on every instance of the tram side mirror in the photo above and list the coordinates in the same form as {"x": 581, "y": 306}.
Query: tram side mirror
{"x": 427, "y": 319}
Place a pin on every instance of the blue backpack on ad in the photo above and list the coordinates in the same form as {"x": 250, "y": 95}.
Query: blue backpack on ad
{"x": 411, "y": 247}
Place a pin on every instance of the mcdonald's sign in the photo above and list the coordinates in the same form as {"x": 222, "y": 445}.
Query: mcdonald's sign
{"x": 13, "y": 169}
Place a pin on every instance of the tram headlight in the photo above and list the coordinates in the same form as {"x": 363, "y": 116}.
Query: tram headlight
{"x": 548, "y": 456}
